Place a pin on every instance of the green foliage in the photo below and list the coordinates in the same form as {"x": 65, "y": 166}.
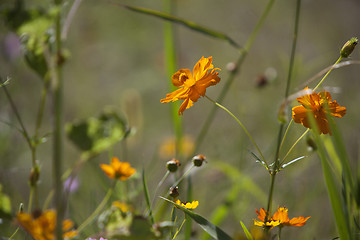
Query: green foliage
{"x": 5, "y": 205}
{"x": 97, "y": 134}
{"x": 207, "y": 226}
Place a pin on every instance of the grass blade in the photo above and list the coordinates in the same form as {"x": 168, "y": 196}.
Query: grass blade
{"x": 247, "y": 233}
{"x": 147, "y": 196}
{"x": 207, "y": 226}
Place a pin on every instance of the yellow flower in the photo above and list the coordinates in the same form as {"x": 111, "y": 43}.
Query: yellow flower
{"x": 188, "y": 205}
{"x": 118, "y": 170}
{"x": 192, "y": 86}
{"x": 41, "y": 226}
{"x": 319, "y": 104}
{"x": 280, "y": 218}
{"x": 122, "y": 206}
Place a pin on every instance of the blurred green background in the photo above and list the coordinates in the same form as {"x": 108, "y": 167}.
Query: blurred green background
{"x": 117, "y": 59}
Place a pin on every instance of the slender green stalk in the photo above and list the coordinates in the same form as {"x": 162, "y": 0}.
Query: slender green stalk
{"x": 328, "y": 72}
{"x": 276, "y": 165}
{"x": 285, "y": 134}
{"x": 157, "y": 188}
{"x": 58, "y": 123}
{"x": 11, "y": 237}
{"x": 230, "y": 80}
{"x": 99, "y": 208}
{"x": 292, "y": 147}
{"x": 177, "y": 232}
{"x": 183, "y": 176}
{"x": 242, "y": 126}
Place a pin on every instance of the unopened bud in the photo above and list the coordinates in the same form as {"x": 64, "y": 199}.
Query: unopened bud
{"x": 173, "y": 165}
{"x": 174, "y": 192}
{"x": 348, "y": 47}
{"x": 198, "y": 160}
{"x": 34, "y": 176}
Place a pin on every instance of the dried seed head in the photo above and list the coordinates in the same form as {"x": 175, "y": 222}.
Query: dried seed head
{"x": 198, "y": 160}
{"x": 173, "y": 165}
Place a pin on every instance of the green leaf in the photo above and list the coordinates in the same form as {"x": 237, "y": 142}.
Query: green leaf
{"x": 147, "y": 197}
{"x": 207, "y": 226}
{"x": 97, "y": 134}
{"x": 5, "y": 205}
{"x": 247, "y": 233}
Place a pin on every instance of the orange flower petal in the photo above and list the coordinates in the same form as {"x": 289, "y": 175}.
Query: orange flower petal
{"x": 298, "y": 221}
{"x": 109, "y": 171}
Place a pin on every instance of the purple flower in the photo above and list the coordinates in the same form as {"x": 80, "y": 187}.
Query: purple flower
{"x": 71, "y": 185}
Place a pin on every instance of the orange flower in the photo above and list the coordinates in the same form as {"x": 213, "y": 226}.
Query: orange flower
{"x": 192, "y": 86}
{"x": 319, "y": 104}
{"x": 118, "y": 170}
{"x": 188, "y": 205}
{"x": 280, "y": 218}
{"x": 41, "y": 226}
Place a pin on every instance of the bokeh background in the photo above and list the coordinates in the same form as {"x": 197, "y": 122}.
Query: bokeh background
{"x": 117, "y": 59}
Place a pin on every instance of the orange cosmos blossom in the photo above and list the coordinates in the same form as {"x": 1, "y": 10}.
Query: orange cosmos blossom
{"x": 319, "y": 104}
{"x": 41, "y": 225}
{"x": 118, "y": 170}
{"x": 280, "y": 218}
{"x": 192, "y": 86}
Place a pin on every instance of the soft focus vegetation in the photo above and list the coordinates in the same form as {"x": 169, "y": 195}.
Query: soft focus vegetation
{"x": 116, "y": 64}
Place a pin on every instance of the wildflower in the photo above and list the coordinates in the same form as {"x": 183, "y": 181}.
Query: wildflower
{"x": 280, "y": 218}
{"x": 192, "y": 86}
{"x": 41, "y": 226}
{"x": 188, "y": 205}
{"x": 117, "y": 169}
{"x": 262, "y": 215}
{"x": 320, "y": 105}
{"x": 122, "y": 206}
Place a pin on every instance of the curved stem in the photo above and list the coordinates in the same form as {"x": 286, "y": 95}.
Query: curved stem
{"x": 292, "y": 147}
{"x": 98, "y": 209}
{"x": 328, "y": 72}
{"x": 285, "y": 134}
{"x": 231, "y": 78}
{"x": 177, "y": 232}
{"x": 242, "y": 126}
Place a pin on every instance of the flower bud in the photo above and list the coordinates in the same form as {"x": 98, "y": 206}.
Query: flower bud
{"x": 174, "y": 192}
{"x": 348, "y": 47}
{"x": 198, "y": 160}
{"x": 173, "y": 165}
{"x": 34, "y": 176}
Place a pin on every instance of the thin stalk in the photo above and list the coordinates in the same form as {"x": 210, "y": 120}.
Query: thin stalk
{"x": 41, "y": 110}
{"x": 292, "y": 147}
{"x": 242, "y": 126}
{"x": 328, "y": 72}
{"x": 230, "y": 80}
{"x": 276, "y": 166}
{"x": 183, "y": 176}
{"x": 177, "y": 232}
{"x": 11, "y": 237}
{"x": 157, "y": 188}
{"x": 98, "y": 209}
{"x": 285, "y": 134}
{"x": 57, "y": 78}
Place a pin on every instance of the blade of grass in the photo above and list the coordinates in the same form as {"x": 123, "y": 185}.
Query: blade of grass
{"x": 207, "y": 226}
{"x": 247, "y": 233}
{"x": 183, "y": 22}
{"x": 342, "y": 222}
{"x": 147, "y": 196}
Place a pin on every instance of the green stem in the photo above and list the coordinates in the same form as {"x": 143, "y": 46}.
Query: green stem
{"x": 271, "y": 192}
{"x": 285, "y": 134}
{"x": 292, "y": 147}
{"x": 242, "y": 126}
{"x": 57, "y": 82}
{"x": 98, "y": 209}
{"x": 183, "y": 176}
{"x": 11, "y": 237}
{"x": 328, "y": 72}
{"x": 228, "y": 83}
{"x": 177, "y": 232}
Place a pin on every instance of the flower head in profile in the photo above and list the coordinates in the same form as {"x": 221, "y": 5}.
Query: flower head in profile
{"x": 280, "y": 218}
{"x": 192, "y": 85}
{"x": 118, "y": 170}
{"x": 41, "y": 225}
{"x": 188, "y": 205}
{"x": 318, "y": 104}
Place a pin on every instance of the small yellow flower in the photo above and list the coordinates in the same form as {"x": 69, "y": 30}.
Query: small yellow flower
{"x": 319, "y": 104}
{"x": 192, "y": 85}
{"x": 122, "y": 206}
{"x": 262, "y": 215}
{"x": 118, "y": 170}
{"x": 41, "y": 226}
{"x": 188, "y": 205}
